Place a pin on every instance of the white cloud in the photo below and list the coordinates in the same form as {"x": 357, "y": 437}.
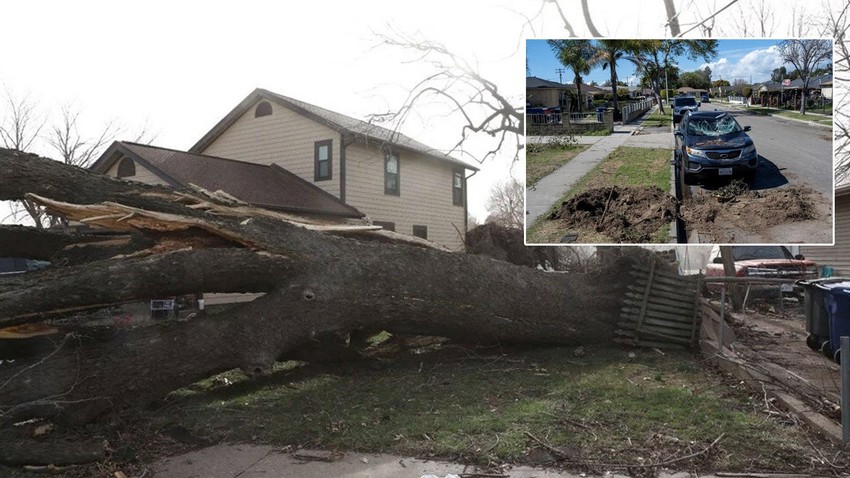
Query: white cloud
{"x": 756, "y": 65}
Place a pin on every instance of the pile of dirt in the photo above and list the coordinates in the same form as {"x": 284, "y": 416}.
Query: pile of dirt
{"x": 623, "y": 214}
{"x": 724, "y": 214}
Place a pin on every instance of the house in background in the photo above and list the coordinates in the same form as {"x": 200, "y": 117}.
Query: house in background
{"x": 271, "y": 150}
{"x": 267, "y": 186}
{"x": 837, "y": 256}
{"x": 547, "y": 94}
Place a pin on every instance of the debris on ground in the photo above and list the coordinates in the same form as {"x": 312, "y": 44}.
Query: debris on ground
{"x": 623, "y": 214}
{"x": 720, "y": 213}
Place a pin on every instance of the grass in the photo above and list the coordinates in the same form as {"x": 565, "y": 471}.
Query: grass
{"x": 657, "y": 120}
{"x": 456, "y": 404}
{"x": 790, "y": 114}
{"x": 625, "y": 166}
{"x": 542, "y": 160}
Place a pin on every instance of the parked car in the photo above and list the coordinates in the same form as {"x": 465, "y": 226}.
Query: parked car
{"x": 711, "y": 144}
{"x": 765, "y": 261}
{"x": 704, "y": 98}
{"x": 683, "y": 104}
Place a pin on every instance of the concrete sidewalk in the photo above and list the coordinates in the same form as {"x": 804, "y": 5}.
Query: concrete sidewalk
{"x": 247, "y": 461}
{"x": 543, "y": 195}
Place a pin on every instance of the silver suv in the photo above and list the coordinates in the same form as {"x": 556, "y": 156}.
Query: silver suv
{"x": 683, "y": 104}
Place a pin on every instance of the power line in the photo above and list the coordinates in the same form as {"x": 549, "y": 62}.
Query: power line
{"x": 560, "y": 72}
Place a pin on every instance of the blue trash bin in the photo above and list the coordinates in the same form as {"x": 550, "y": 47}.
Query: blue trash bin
{"x": 836, "y": 300}
{"x": 600, "y": 114}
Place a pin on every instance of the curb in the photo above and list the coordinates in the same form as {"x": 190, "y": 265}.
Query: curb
{"x": 810, "y": 123}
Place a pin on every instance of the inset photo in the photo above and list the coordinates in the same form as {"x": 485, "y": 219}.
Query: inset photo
{"x": 679, "y": 141}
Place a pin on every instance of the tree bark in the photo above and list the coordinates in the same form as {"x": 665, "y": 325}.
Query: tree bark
{"x": 318, "y": 285}
{"x": 729, "y": 270}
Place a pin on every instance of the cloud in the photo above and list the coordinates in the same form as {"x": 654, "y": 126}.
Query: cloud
{"x": 757, "y": 64}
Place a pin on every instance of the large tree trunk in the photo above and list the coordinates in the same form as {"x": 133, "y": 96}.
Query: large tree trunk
{"x": 318, "y": 285}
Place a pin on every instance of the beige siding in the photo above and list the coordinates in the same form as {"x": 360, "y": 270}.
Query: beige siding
{"x": 837, "y": 256}
{"x": 143, "y": 174}
{"x": 426, "y": 193}
{"x": 284, "y": 137}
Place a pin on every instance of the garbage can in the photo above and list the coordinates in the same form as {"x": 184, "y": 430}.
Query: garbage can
{"x": 600, "y": 114}
{"x": 836, "y": 300}
{"x": 817, "y": 318}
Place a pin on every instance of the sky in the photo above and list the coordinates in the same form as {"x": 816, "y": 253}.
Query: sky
{"x": 180, "y": 66}
{"x": 750, "y": 60}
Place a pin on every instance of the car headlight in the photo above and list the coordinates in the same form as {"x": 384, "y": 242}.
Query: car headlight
{"x": 748, "y": 150}
{"x": 695, "y": 152}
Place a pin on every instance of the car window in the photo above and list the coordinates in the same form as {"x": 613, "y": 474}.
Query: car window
{"x": 760, "y": 252}
{"x": 717, "y": 126}
{"x": 689, "y": 101}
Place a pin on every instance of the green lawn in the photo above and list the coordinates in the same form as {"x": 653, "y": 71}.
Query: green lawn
{"x": 479, "y": 406}
{"x": 658, "y": 120}
{"x": 791, "y": 114}
{"x": 542, "y": 160}
{"x": 625, "y": 166}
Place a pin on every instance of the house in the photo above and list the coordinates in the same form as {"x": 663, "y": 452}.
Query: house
{"x": 267, "y": 186}
{"x": 687, "y": 90}
{"x": 837, "y": 256}
{"x": 330, "y": 164}
{"x": 547, "y": 94}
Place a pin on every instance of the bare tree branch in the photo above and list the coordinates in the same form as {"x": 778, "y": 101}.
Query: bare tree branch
{"x": 485, "y": 111}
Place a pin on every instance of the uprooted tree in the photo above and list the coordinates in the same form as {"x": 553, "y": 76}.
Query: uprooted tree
{"x": 322, "y": 281}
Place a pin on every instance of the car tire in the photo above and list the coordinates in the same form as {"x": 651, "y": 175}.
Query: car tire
{"x": 836, "y": 357}
{"x": 826, "y": 350}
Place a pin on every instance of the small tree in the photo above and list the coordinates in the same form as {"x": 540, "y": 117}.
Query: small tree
{"x": 506, "y": 204}
{"x": 574, "y": 54}
{"x": 805, "y": 55}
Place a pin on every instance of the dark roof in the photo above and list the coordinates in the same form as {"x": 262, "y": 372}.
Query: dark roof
{"x": 270, "y": 187}
{"x": 344, "y": 124}
{"x": 535, "y": 82}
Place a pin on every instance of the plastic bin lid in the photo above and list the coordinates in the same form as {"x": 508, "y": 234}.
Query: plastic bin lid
{"x": 843, "y": 286}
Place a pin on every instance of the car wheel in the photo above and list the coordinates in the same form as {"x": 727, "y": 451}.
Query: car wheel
{"x": 837, "y": 356}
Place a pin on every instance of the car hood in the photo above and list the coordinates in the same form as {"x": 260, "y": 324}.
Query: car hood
{"x": 720, "y": 142}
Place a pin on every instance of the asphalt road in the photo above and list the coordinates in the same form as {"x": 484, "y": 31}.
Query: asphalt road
{"x": 791, "y": 151}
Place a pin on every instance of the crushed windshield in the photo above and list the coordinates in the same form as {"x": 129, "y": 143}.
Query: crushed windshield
{"x": 713, "y": 126}
{"x": 689, "y": 101}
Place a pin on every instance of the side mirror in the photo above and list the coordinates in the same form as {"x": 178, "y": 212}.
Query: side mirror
{"x": 717, "y": 260}
{"x": 799, "y": 257}
{"x": 747, "y": 128}
{"x": 699, "y": 103}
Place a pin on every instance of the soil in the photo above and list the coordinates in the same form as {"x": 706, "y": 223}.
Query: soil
{"x": 748, "y": 216}
{"x": 622, "y": 214}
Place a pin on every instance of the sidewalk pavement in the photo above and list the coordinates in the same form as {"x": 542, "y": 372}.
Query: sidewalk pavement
{"x": 247, "y": 461}
{"x": 543, "y": 195}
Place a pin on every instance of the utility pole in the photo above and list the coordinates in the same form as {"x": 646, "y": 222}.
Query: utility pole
{"x": 560, "y": 72}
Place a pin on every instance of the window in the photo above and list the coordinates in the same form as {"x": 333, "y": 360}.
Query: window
{"x": 322, "y": 160}
{"x": 126, "y": 168}
{"x": 457, "y": 188}
{"x": 263, "y": 109}
{"x": 391, "y": 176}
{"x": 420, "y": 231}
{"x": 390, "y": 226}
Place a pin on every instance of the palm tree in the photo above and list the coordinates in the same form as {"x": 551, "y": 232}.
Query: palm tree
{"x": 607, "y": 53}
{"x": 575, "y": 55}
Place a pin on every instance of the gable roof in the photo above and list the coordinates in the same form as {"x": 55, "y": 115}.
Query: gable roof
{"x": 271, "y": 187}
{"x": 535, "y": 82}
{"x": 344, "y": 124}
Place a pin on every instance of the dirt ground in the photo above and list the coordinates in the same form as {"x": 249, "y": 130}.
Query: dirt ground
{"x": 621, "y": 214}
{"x": 775, "y": 334}
{"x": 743, "y": 216}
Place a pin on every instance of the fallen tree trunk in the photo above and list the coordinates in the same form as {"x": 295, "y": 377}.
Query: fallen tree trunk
{"x": 318, "y": 285}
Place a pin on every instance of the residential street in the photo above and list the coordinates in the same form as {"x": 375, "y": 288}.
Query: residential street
{"x": 793, "y": 155}
{"x": 791, "y": 151}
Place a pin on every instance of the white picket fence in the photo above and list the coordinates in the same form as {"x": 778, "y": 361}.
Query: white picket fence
{"x": 633, "y": 110}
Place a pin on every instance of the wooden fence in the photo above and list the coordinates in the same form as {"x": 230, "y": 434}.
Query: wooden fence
{"x": 660, "y": 309}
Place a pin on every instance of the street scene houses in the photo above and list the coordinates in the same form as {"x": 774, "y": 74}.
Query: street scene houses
{"x": 721, "y": 149}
